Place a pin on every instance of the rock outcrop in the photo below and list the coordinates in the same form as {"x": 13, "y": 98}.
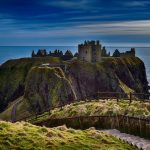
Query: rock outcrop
{"x": 112, "y": 75}
{"x": 47, "y": 87}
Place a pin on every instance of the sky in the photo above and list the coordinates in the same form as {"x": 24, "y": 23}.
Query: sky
{"x": 69, "y": 22}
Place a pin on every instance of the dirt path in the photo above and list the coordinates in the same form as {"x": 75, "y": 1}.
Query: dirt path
{"x": 13, "y": 114}
{"x": 14, "y": 110}
{"x": 131, "y": 139}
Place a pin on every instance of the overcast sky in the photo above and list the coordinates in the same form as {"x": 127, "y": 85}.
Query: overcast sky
{"x": 69, "y": 22}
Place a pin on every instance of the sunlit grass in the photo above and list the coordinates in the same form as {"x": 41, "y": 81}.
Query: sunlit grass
{"x": 98, "y": 108}
{"x": 25, "y": 136}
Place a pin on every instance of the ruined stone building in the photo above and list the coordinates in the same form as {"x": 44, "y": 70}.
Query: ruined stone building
{"x": 90, "y": 51}
{"x": 128, "y": 53}
{"x": 40, "y": 53}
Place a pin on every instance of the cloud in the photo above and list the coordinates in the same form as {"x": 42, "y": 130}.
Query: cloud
{"x": 138, "y": 28}
{"x": 69, "y": 19}
{"x": 136, "y": 3}
{"x": 98, "y": 16}
{"x": 71, "y": 4}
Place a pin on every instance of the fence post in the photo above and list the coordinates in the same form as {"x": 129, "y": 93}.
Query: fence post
{"x": 36, "y": 116}
{"x": 130, "y": 98}
{"x": 49, "y": 111}
{"x": 117, "y": 97}
{"x": 144, "y": 97}
{"x": 98, "y": 96}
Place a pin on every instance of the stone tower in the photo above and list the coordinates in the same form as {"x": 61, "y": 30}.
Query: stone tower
{"x": 90, "y": 51}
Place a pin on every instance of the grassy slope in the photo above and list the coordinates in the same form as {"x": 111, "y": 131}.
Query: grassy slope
{"x": 7, "y": 114}
{"x": 24, "y": 136}
{"x": 13, "y": 74}
{"x": 101, "y": 107}
{"x": 21, "y": 110}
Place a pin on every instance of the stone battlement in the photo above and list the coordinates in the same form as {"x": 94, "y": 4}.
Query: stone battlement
{"x": 90, "y": 51}
{"x": 128, "y": 53}
{"x": 90, "y": 43}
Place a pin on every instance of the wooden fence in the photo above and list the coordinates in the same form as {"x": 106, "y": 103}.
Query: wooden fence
{"x": 99, "y": 95}
{"x": 126, "y": 124}
{"x": 131, "y": 125}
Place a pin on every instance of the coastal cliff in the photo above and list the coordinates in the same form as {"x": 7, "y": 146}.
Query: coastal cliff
{"x": 112, "y": 74}
{"x": 44, "y": 87}
{"x": 13, "y": 74}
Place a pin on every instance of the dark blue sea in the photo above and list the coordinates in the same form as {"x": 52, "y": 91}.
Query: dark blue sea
{"x": 13, "y": 52}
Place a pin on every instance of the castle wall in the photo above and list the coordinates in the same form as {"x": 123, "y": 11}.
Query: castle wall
{"x": 96, "y": 53}
{"x": 90, "y": 51}
{"x": 128, "y": 53}
{"x": 85, "y": 53}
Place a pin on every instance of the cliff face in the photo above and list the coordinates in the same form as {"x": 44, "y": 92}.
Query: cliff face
{"x": 132, "y": 72}
{"x": 113, "y": 74}
{"x": 87, "y": 79}
{"x": 46, "y": 87}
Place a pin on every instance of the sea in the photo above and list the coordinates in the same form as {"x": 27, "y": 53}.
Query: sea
{"x": 14, "y": 52}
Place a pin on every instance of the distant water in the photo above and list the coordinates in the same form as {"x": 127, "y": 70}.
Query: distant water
{"x": 13, "y": 52}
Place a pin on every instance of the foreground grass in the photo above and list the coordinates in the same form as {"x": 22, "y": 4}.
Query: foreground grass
{"x": 100, "y": 107}
{"x": 25, "y": 136}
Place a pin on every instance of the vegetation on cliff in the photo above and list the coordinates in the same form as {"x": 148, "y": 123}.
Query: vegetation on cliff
{"x": 46, "y": 87}
{"x": 13, "y": 74}
{"x": 26, "y": 136}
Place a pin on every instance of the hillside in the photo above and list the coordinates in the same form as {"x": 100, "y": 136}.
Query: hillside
{"x": 12, "y": 77}
{"x": 26, "y": 136}
{"x": 45, "y": 87}
{"x": 98, "y": 108}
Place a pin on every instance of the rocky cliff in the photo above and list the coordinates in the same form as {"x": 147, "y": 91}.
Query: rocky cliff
{"x": 45, "y": 86}
{"x": 113, "y": 74}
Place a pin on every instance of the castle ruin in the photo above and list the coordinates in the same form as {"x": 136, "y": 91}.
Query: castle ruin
{"x": 128, "y": 53}
{"x": 90, "y": 51}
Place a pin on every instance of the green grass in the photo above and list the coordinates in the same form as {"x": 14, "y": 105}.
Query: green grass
{"x": 25, "y": 136}
{"x": 99, "y": 107}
